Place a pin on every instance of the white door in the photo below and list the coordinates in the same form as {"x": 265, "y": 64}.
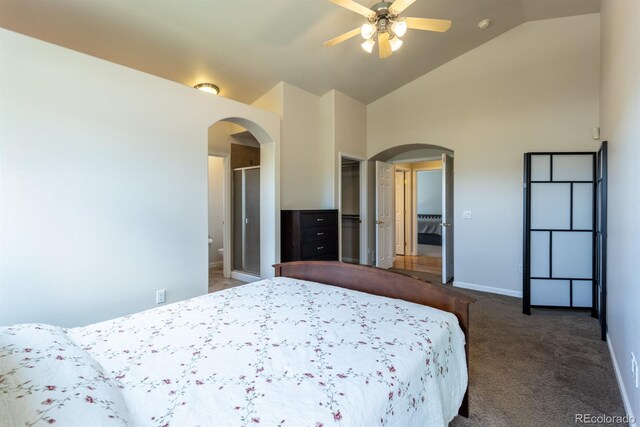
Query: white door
{"x": 384, "y": 215}
{"x": 400, "y": 228}
{"x": 447, "y": 218}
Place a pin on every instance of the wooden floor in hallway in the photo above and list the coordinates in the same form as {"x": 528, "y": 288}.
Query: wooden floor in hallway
{"x": 419, "y": 263}
{"x": 431, "y": 265}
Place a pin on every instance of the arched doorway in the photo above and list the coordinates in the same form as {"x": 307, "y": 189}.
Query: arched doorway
{"x": 412, "y": 210}
{"x": 223, "y": 137}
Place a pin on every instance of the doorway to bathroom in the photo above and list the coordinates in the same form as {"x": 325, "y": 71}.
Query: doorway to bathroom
{"x": 236, "y": 187}
{"x": 216, "y": 219}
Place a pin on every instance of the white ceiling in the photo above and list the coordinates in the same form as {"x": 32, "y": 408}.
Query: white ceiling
{"x": 247, "y": 46}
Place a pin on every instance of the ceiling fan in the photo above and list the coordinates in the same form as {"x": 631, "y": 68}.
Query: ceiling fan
{"x": 385, "y": 26}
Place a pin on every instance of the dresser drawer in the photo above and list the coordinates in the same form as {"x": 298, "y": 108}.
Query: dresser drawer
{"x": 325, "y": 257}
{"x": 313, "y": 249}
{"x": 319, "y": 219}
{"x": 313, "y": 234}
{"x": 309, "y": 235}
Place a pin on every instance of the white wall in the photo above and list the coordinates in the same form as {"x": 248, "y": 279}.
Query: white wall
{"x": 533, "y": 88}
{"x": 307, "y": 174}
{"x": 216, "y": 209}
{"x": 348, "y": 124}
{"x": 429, "y": 192}
{"x": 620, "y": 125}
{"x": 103, "y": 185}
{"x": 306, "y": 169}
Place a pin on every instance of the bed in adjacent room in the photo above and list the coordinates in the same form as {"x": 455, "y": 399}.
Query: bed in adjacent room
{"x": 430, "y": 229}
{"x": 325, "y": 344}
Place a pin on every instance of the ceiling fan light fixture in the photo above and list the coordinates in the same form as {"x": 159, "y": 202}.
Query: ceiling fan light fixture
{"x": 399, "y": 27}
{"x": 367, "y": 30}
{"x": 395, "y": 43}
{"x": 368, "y": 45}
{"x": 208, "y": 87}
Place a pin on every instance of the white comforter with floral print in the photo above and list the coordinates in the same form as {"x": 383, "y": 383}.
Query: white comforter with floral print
{"x": 279, "y": 352}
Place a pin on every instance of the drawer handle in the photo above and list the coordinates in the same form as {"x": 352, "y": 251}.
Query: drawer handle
{"x": 320, "y": 219}
{"x": 320, "y": 234}
{"x": 320, "y": 247}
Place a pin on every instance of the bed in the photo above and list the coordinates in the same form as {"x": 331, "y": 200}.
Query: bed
{"x": 322, "y": 344}
{"x": 430, "y": 229}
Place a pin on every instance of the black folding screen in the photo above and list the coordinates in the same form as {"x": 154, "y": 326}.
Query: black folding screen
{"x": 601, "y": 238}
{"x": 559, "y": 266}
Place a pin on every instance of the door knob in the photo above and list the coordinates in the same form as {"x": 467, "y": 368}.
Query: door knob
{"x": 379, "y": 222}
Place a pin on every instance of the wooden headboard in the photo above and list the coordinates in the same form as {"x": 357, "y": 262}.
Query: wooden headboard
{"x": 385, "y": 283}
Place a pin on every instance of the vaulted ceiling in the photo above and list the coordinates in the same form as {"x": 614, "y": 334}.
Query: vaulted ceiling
{"x": 247, "y": 46}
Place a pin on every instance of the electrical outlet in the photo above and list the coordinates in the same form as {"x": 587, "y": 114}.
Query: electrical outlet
{"x": 466, "y": 214}
{"x": 634, "y": 370}
{"x": 160, "y": 296}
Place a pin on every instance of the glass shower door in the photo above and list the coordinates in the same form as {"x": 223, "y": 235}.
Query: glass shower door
{"x": 246, "y": 220}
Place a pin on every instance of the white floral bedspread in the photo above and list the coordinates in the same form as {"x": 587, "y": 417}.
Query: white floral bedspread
{"x": 278, "y": 352}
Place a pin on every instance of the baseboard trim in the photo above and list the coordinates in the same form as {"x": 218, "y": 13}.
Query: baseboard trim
{"x": 351, "y": 260}
{"x": 489, "y": 289}
{"x": 244, "y": 277}
{"x": 623, "y": 390}
{"x": 215, "y": 264}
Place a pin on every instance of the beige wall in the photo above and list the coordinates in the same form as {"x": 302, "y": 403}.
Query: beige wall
{"x": 620, "y": 125}
{"x": 216, "y": 209}
{"x": 428, "y": 165}
{"x": 306, "y": 169}
{"x": 306, "y": 155}
{"x": 533, "y": 88}
{"x": 315, "y": 130}
{"x": 103, "y": 185}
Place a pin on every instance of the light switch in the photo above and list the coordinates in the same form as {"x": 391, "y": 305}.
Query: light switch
{"x": 466, "y": 214}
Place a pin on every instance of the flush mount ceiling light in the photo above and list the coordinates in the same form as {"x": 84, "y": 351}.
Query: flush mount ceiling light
{"x": 208, "y": 87}
{"x": 385, "y": 26}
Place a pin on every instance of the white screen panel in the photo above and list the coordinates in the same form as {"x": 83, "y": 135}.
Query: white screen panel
{"x": 540, "y": 168}
{"x": 539, "y": 254}
{"x": 578, "y": 167}
{"x": 550, "y": 206}
{"x": 550, "y": 292}
{"x": 572, "y": 255}
{"x": 582, "y": 293}
{"x": 582, "y": 206}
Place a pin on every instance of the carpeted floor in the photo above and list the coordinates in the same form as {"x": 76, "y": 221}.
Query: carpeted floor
{"x": 537, "y": 370}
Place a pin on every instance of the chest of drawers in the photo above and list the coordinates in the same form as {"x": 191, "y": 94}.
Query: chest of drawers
{"x": 309, "y": 235}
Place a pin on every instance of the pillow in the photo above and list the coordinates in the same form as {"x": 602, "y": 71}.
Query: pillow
{"x": 46, "y": 379}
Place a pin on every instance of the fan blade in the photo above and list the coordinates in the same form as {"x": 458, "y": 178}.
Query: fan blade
{"x": 384, "y": 47}
{"x": 355, "y": 7}
{"x": 334, "y": 41}
{"x": 400, "y": 5}
{"x": 439, "y": 25}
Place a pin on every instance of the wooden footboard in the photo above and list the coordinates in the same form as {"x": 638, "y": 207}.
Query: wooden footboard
{"x": 385, "y": 283}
